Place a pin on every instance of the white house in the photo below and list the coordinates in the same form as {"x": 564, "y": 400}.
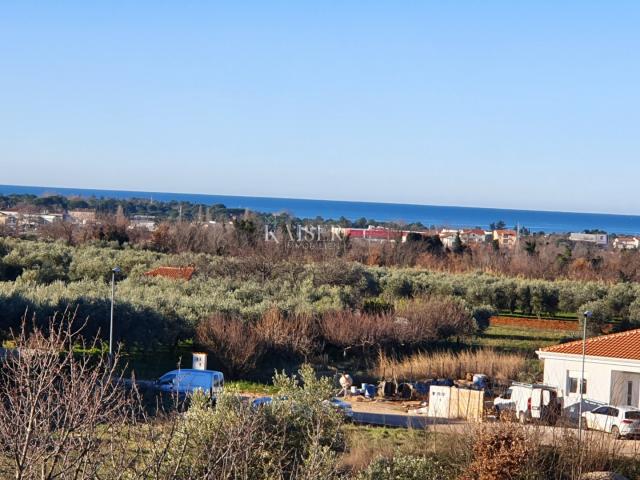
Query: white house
{"x": 598, "y": 238}
{"x": 473, "y": 235}
{"x": 612, "y": 370}
{"x": 626, "y": 243}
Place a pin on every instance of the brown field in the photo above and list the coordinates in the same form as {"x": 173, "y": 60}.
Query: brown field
{"x": 499, "y": 366}
{"x": 541, "y": 324}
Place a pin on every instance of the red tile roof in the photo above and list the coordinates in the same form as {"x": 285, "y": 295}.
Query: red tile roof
{"x": 473, "y": 231}
{"x": 374, "y": 233}
{"x": 184, "y": 273}
{"x": 617, "y": 345}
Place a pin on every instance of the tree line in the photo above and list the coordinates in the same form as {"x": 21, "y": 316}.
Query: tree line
{"x": 45, "y": 277}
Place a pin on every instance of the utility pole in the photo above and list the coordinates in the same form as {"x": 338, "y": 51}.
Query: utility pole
{"x": 114, "y": 271}
{"x": 586, "y": 315}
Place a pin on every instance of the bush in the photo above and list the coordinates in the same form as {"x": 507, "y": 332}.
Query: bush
{"x": 499, "y": 452}
{"x": 376, "y": 306}
{"x": 296, "y": 436}
{"x": 432, "y": 318}
{"x": 234, "y": 343}
{"x": 407, "y": 468}
{"x": 481, "y": 317}
{"x": 398, "y": 285}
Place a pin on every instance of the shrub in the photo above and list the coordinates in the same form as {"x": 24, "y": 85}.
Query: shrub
{"x": 234, "y": 343}
{"x": 296, "y": 436}
{"x": 293, "y": 334}
{"x": 376, "y": 306}
{"x": 346, "y": 329}
{"x": 398, "y": 285}
{"x": 500, "y": 452}
{"x": 432, "y": 318}
{"x": 481, "y": 316}
{"x": 407, "y": 468}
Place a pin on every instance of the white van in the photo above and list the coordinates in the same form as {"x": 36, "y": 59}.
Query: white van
{"x": 187, "y": 381}
{"x": 530, "y": 401}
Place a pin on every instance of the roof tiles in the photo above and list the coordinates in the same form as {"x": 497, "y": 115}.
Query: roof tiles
{"x": 184, "y": 273}
{"x": 624, "y": 345}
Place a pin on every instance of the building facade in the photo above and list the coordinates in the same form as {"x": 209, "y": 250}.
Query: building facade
{"x": 612, "y": 371}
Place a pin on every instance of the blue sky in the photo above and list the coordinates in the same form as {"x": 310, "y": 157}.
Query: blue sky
{"x": 502, "y": 104}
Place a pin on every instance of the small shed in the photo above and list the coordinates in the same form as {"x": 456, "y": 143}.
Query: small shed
{"x": 453, "y": 402}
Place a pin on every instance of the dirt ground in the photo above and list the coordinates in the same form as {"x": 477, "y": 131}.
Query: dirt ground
{"x": 381, "y": 405}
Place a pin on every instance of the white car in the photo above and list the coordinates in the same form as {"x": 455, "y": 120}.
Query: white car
{"x": 529, "y": 401}
{"x": 619, "y": 421}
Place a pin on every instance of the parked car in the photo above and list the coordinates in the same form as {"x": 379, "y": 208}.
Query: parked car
{"x": 188, "y": 381}
{"x": 528, "y": 401}
{"x": 618, "y": 421}
{"x": 340, "y": 405}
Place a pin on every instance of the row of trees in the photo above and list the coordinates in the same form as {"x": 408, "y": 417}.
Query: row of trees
{"x": 46, "y": 277}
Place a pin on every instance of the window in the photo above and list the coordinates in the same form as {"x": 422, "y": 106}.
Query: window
{"x": 613, "y": 412}
{"x": 601, "y": 410}
{"x": 167, "y": 379}
{"x": 634, "y": 415}
{"x": 573, "y": 385}
{"x": 629, "y": 393}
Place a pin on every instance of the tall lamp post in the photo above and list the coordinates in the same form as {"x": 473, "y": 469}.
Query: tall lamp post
{"x": 587, "y": 315}
{"x": 114, "y": 272}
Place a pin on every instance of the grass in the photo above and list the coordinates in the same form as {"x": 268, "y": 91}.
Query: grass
{"x": 556, "y": 316}
{"x": 364, "y": 444}
{"x": 256, "y": 388}
{"x": 519, "y": 339}
{"x": 424, "y": 365}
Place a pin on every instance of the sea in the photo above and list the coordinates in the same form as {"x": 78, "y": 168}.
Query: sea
{"x": 428, "y": 215}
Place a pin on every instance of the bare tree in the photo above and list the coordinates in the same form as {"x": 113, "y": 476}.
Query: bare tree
{"x": 56, "y": 406}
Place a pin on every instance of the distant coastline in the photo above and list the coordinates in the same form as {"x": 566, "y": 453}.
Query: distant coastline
{"x": 458, "y": 217}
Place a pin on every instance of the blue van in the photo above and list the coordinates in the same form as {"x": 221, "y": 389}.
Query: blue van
{"x": 187, "y": 381}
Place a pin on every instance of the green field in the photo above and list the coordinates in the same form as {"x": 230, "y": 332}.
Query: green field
{"x": 520, "y": 339}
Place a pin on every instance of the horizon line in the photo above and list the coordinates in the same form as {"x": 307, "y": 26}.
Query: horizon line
{"x": 323, "y": 200}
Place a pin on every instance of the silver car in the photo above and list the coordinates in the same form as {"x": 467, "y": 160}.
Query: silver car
{"x": 618, "y": 421}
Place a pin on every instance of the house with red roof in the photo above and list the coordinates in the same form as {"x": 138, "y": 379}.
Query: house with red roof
{"x": 626, "y": 243}
{"x": 611, "y": 373}
{"x": 506, "y": 238}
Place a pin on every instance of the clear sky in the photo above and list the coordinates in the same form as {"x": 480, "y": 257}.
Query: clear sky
{"x": 510, "y": 104}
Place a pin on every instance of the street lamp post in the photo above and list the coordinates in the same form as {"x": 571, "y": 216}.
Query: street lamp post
{"x": 114, "y": 272}
{"x": 587, "y": 315}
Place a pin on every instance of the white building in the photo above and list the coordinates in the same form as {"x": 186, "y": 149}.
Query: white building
{"x": 626, "y": 243}
{"x": 146, "y": 222}
{"x": 474, "y": 235}
{"x": 612, "y": 370}
{"x": 597, "y": 238}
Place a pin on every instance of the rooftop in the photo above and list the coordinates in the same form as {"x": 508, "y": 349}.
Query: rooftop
{"x": 184, "y": 273}
{"x": 624, "y": 345}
